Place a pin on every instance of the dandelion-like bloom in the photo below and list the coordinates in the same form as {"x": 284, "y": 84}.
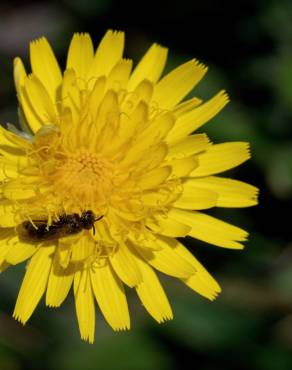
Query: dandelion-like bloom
{"x": 120, "y": 144}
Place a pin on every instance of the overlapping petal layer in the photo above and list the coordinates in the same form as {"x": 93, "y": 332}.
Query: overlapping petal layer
{"x": 119, "y": 143}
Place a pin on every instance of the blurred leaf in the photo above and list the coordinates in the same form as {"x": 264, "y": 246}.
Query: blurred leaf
{"x": 118, "y": 351}
{"x": 210, "y": 326}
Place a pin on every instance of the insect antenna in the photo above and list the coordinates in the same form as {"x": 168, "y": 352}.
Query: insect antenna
{"x": 98, "y": 218}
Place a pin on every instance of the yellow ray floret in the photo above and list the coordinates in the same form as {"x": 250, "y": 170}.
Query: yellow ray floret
{"x": 111, "y": 298}
{"x": 34, "y": 284}
{"x": 45, "y": 66}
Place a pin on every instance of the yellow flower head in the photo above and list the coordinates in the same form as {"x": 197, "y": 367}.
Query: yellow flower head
{"x": 117, "y": 144}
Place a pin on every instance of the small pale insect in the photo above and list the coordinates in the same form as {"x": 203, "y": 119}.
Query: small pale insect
{"x": 67, "y": 224}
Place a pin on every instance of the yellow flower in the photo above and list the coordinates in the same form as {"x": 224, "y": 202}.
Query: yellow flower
{"x": 120, "y": 144}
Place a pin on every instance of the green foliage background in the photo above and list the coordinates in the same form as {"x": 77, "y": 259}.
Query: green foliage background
{"x": 248, "y": 47}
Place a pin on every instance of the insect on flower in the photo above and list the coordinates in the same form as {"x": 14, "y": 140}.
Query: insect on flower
{"x": 67, "y": 224}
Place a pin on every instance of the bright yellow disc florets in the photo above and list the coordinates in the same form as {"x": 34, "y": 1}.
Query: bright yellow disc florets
{"x": 83, "y": 175}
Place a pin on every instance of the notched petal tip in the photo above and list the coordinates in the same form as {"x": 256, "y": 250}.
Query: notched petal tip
{"x": 161, "y": 47}
{"x": 52, "y": 305}
{"x": 255, "y": 196}
{"x": 38, "y": 41}
{"x": 115, "y": 32}
{"x": 81, "y": 35}
{"x": 225, "y": 95}
{"x": 87, "y": 339}
{"x": 19, "y": 318}
{"x": 114, "y": 35}
{"x": 248, "y": 149}
{"x": 165, "y": 318}
{"x": 119, "y": 329}
{"x": 197, "y": 64}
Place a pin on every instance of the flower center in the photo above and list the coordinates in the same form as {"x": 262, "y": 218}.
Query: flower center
{"x": 84, "y": 177}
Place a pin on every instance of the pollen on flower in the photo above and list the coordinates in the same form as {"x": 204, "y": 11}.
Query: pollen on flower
{"x": 83, "y": 177}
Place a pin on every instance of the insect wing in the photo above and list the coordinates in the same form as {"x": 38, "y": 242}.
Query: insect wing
{"x": 40, "y": 231}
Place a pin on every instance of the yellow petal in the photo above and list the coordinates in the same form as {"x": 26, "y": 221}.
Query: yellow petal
{"x": 154, "y": 158}
{"x": 108, "y": 121}
{"x": 59, "y": 284}
{"x": 13, "y": 164}
{"x": 154, "y": 177}
{"x": 159, "y": 197}
{"x": 158, "y": 128}
{"x": 6, "y": 233}
{"x": 82, "y": 247}
{"x": 5, "y": 243}
{"x": 141, "y": 95}
{"x": 84, "y": 304}
{"x": 197, "y": 283}
{"x": 38, "y": 100}
{"x": 186, "y": 106}
{"x": 231, "y": 193}
{"x": 194, "y": 119}
{"x": 108, "y": 118}
{"x": 119, "y": 76}
{"x": 64, "y": 251}
{"x": 80, "y": 56}
{"x": 126, "y": 211}
{"x": 109, "y": 52}
{"x": 7, "y": 220}
{"x": 71, "y": 94}
{"x": 10, "y": 139}
{"x": 34, "y": 284}
{"x": 165, "y": 259}
{"x": 196, "y": 198}
{"x": 201, "y": 282}
{"x": 20, "y": 251}
{"x": 172, "y": 88}
{"x": 144, "y": 90}
{"x": 125, "y": 266}
{"x": 96, "y": 97}
{"x": 45, "y": 66}
{"x": 150, "y": 66}
{"x": 189, "y": 145}
{"x": 152, "y": 294}
{"x": 29, "y": 117}
{"x": 8, "y": 169}
{"x": 27, "y": 120}
{"x": 13, "y": 157}
{"x": 4, "y": 266}
{"x": 13, "y": 154}
{"x": 183, "y": 167}
{"x": 169, "y": 227}
{"x": 7, "y": 214}
{"x": 152, "y": 135}
{"x": 210, "y": 229}
{"x": 15, "y": 189}
{"x": 221, "y": 157}
{"x": 111, "y": 298}
{"x": 128, "y": 126}
{"x": 103, "y": 232}
{"x": 19, "y": 75}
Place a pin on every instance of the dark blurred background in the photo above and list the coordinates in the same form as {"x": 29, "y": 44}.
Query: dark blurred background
{"x": 248, "y": 47}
